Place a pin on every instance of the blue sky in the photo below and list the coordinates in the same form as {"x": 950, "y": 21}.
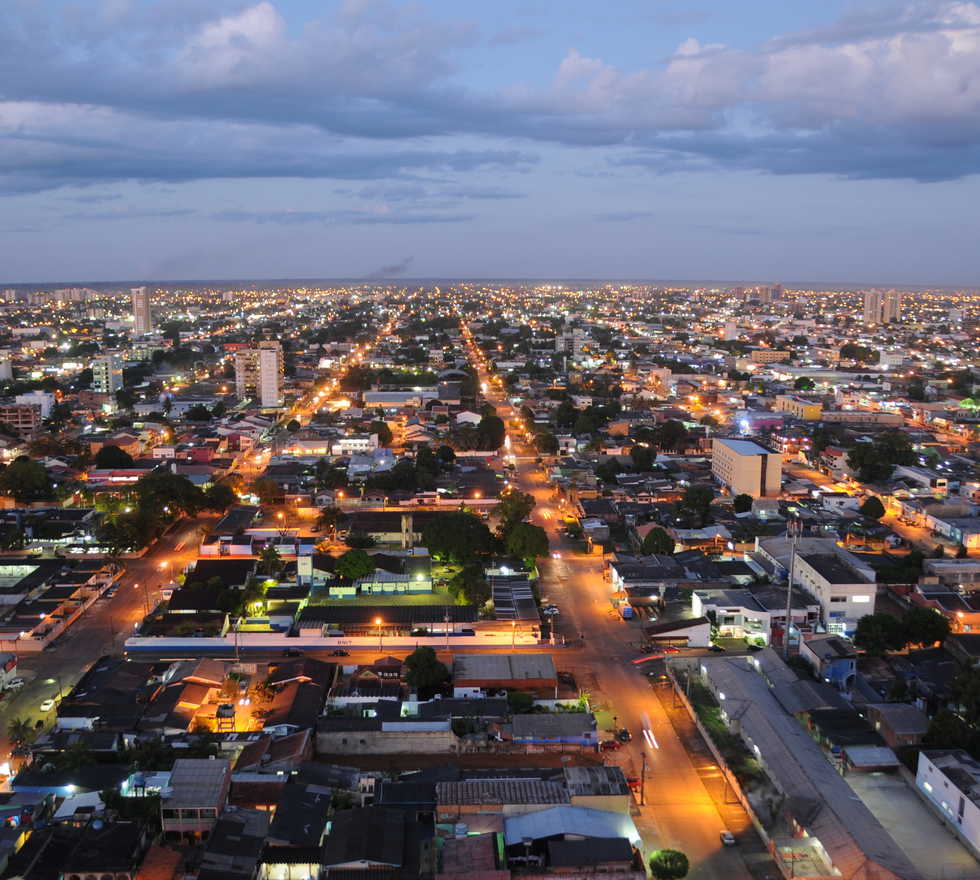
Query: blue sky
{"x": 177, "y": 139}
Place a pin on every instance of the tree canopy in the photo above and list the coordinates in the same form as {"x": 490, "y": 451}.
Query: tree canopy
{"x": 425, "y": 672}
{"x": 354, "y": 564}
{"x": 877, "y": 634}
{"x": 514, "y": 507}
{"x": 669, "y": 864}
{"x": 527, "y": 541}
{"x": 456, "y": 536}
{"x": 742, "y": 503}
{"x": 26, "y": 480}
{"x": 657, "y": 542}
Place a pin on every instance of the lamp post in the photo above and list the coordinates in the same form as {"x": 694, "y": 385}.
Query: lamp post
{"x": 146, "y": 598}
{"x": 513, "y": 633}
{"x": 377, "y": 623}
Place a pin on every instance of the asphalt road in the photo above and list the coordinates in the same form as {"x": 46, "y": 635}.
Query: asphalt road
{"x": 679, "y": 812}
{"x": 99, "y": 631}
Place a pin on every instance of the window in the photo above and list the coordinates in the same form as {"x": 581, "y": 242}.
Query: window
{"x": 836, "y": 599}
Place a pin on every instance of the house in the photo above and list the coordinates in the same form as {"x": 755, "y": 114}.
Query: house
{"x": 900, "y": 724}
{"x": 234, "y": 845}
{"x": 372, "y": 839}
{"x": 476, "y": 674}
{"x": 197, "y": 791}
{"x": 832, "y": 658}
{"x": 566, "y": 728}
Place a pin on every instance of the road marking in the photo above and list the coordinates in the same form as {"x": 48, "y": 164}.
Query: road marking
{"x": 650, "y": 738}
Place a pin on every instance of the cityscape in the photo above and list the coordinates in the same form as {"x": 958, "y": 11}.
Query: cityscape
{"x": 524, "y": 441}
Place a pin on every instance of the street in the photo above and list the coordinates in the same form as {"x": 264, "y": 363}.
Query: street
{"x": 679, "y": 813}
{"x": 100, "y": 630}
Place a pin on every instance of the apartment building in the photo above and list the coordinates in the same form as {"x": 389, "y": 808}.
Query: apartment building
{"x": 746, "y": 467}
{"x": 259, "y": 373}
{"x": 798, "y": 407}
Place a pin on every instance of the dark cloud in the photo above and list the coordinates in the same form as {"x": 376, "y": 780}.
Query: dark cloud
{"x": 176, "y": 91}
{"x": 392, "y": 270}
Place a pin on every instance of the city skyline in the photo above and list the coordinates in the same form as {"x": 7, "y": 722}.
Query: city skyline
{"x": 383, "y": 140}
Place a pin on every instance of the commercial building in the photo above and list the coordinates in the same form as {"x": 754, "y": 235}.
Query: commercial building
{"x": 259, "y": 373}
{"x": 747, "y": 467}
{"x": 769, "y": 355}
{"x": 845, "y": 590}
{"x": 882, "y": 306}
{"x": 107, "y": 375}
{"x": 142, "y": 317}
{"x": 798, "y": 407}
{"x": 822, "y": 829}
{"x": 949, "y": 779}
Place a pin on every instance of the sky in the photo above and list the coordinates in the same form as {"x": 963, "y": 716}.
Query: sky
{"x": 768, "y": 140}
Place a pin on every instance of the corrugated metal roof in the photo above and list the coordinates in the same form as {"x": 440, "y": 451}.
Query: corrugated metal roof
{"x": 501, "y": 791}
{"x": 569, "y": 820}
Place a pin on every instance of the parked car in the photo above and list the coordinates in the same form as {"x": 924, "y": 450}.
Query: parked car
{"x": 292, "y": 652}
{"x": 610, "y": 745}
{"x": 670, "y": 649}
{"x": 624, "y": 735}
{"x": 47, "y": 705}
{"x": 718, "y": 649}
{"x": 15, "y": 684}
{"x": 727, "y": 838}
{"x": 754, "y": 647}
{"x": 340, "y": 652}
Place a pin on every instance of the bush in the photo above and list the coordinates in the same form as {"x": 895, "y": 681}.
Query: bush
{"x": 669, "y": 864}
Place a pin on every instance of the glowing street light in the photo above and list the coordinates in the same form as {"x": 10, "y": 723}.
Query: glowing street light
{"x": 377, "y": 623}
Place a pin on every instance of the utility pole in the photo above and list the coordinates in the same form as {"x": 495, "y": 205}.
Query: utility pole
{"x": 643, "y": 781}
{"x": 793, "y": 530}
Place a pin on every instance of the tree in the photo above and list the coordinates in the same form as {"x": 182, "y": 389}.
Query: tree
{"x": 872, "y": 508}
{"x": 382, "y": 430}
{"x": 328, "y": 519}
{"x": 962, "y": 552}
{"x": 355, "y": 564}
{"x": 267, "y": 489}
{"x": 445, "y": 455}
{"x": 742, "y": 503}
{"x": 490, "y": 432}
{"x": 470, "y": 585}
{"x": 113, "y": 458}
{"x": 925, "y": 627}
{"x": 520, "y": 702}
{"x": 220, "y": 497}
{"x": 669, "y": 864}
{"x": 170, "y": 493}
{"x": 424, "y": 672}
{"x": 126, "y": 397}
{"x": 566, "y": 414}
{"x": 804, "y": 383}
{"x": 19, "y": 730}
{"x": 198, "y": 413}
{"x": 293, "y": 426}
{"x": 359, "y": 540}
{"x": 877, "y": 634}
{"x": 657, "y": 542}
{"x": 514, "y": 506}
{"x": 546, "y": 443}
{"x": 527, "y": 542}
{"x": 875, "y": 461}
{"x": 695, "y": 505}
{"x": 938, "y": 551}
{"x": 270, "y": 562}
{"x": 671, "y": 435}
{"x": 26, "y": 480}
{"x": 642, "y": 457}
{"x": 456, "y": 536}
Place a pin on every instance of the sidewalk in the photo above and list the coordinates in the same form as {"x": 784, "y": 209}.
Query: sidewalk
{"x": 757, "y": 858}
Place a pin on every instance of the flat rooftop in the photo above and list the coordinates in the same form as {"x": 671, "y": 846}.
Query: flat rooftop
{"x": 744, "y": 447}
{"x": 502, "y": 667}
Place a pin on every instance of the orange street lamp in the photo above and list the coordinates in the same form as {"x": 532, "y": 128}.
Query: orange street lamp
{"x": 377, "y": 623}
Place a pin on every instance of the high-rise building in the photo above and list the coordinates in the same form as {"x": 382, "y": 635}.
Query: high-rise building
{"x": 142, "y": 318}
{"x": 6, "y": 369}
{"x": 882, "y": 306}
{"x": 107, "y": 374}
{"x": 259, "y": 373}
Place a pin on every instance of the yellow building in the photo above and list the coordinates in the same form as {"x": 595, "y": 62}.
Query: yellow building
{"x": 747, "y": 467}
{"x": 798, "y": 407}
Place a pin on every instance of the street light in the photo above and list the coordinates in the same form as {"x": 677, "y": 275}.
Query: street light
{"x": 513, "y": 632}
{"x": 377, "y": 623}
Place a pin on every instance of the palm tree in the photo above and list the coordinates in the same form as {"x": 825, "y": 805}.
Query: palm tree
{"x": 19, "y": 730}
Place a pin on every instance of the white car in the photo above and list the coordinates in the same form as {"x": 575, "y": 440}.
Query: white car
{"x": 727, "y": 838}
{"x": 15, "y": 684}
{"x": 47, "y": 705}
{"x": 551, "y": 611}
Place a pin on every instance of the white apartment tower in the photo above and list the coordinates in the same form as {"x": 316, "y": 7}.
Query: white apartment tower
{"x": 882, "y": 306}
{"x": 259, "y": 373}
{"x": 142, "y": 319}
{"x": 107, "y": 375}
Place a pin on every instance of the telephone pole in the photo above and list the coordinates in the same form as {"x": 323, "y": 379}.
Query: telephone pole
{"x": 793, "y": 530}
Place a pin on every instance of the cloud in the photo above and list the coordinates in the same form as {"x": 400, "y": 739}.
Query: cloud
{"x": 178, "y": 90}
{"x": 392, "y": 270}
{"x": 384, "y": 216}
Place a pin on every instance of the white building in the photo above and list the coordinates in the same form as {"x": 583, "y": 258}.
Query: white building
{"x": 949, "y": 779}
{"x": 43, "y": 399}
{"x": 747, "y": 467}
{"x": 107, "y": 375}
{"x": 844, "y": 589}
{"x": 259, "y": 373}
{"x": 142, "y": 317}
